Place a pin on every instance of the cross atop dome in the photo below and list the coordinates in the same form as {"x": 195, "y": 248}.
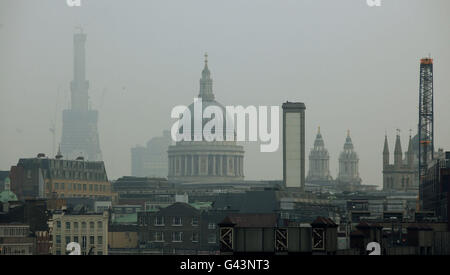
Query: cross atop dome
{"x": 206, "y": 92}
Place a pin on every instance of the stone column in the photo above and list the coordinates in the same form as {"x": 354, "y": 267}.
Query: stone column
{"x": 213, "y": 165}
{"x": 192, "y": 165}
{"x": 219, "y": 165}
{"x": 242, "y": 166}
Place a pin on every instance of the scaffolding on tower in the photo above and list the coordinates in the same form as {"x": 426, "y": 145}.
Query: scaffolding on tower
{"x": 426, "y": 123}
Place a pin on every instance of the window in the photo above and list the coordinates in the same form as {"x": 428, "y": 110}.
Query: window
{"x": 211, "y": 225}
{"x": 58, "y": 252}
{"x": 177, "y": 221}
{"x": 58, "y": 239}
{"x": 99, "y": 253}
{"x": 99, "y": 240}
{"x": 195, "y": 237}
{"x": 62, "y": 186}
{"x": 58, "y": 224}
{"x": 212, "y": 238}
{"x": 75, "y": 239}
{"x": 67, "y": 239}
{"x": 194, "y": 221}
{"x": 83, "y": 225}
{"x": 56, "y": 186}
{"x": 99, "y": 225}
{"x": 159, "y": 236}
{"x": 67, "y": 225}
{"x": 177, "y": 236}
{"x": 84, "y": 187}
{"x": 91, "y": 225}
{"x": 90, "y": 187}
{"x": 75, "y": 225}
{"x": 91, "y": 240}
{"x": 159, "y": 220}
{"x": 83, "y": 243}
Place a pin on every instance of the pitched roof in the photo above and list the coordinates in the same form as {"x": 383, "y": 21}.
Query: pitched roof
{"x": 323, "y": 221}
{"x": 174, "y": 209}
{"x": 251, "y": 220}
{"x": 366, "y": 224}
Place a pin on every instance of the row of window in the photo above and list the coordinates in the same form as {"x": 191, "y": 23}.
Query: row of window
{"x": 75, "y": 164}
{"x": 176, "y": 221}
{"x": 12, "y": 250}
{"x": 10, "y": 231}
{"x": 68, "y": 225}
{"x": 78, "y": 187}
{"x": 178, "y": 237}
{"x": 58, "y": 252}
{"x": 83, "y": 243}
{"x": 78, "y": 175}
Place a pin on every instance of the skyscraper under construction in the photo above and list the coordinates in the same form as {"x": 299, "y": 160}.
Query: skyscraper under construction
{"x": 79, "y": 133}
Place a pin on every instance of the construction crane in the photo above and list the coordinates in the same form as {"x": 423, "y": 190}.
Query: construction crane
{"x": 426, "y": 121}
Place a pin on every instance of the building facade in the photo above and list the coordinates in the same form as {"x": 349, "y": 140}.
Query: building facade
{"x": 294, "y": 144}
{"x": 42, "y": 177}
{"x": 79, "y": 131}
{"x": 90, "y": 231}
{"x": 15, "y": 239}
{"x": 206, "y": 161}
{"x": 436, "y": 189}
{"x": 348, "y": 178}
{"x": 177, "y": 229}
{"x": 403, "y": 174}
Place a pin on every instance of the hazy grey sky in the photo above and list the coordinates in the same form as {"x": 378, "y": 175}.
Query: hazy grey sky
{"x": 354, "y": 67}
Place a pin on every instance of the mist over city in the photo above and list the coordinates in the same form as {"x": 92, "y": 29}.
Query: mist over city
{"x": 87, "y": 96}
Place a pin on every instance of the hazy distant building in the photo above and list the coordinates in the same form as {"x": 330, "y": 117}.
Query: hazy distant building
{"x": 319, "y": 163}
{"x": 204, "y": 161}
{"x": 348, "y": 178}
{"x": 294, "y": 144}
{"x": 151, "y": 161}
{"x": 79, "y": 133}
{"x": 403, "y": 175}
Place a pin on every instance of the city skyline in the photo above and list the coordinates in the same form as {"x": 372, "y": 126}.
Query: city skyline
{"x": 136, "y": 78}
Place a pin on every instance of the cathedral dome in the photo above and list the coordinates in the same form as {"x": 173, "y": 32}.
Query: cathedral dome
{"x": 7, "y": 195}
{"x": 208, "y": 100}
{"x": 225, "y": 118}
{"x": 207, "y": 160}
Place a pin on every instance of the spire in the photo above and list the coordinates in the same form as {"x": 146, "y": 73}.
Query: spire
{"x": 59, "y": 154}
{"x": 410, "y": 153}
{"x": 348, "y": 142}
{"x": 410, "y": 145}
{"x": 386, "y": 151}
{"x": 319, "y": 140}
{"x": 386, "y": 145}
{"x": 398, "y": 149}
{"x": 206, "y": 92}
{"x": 79, "y": 85}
